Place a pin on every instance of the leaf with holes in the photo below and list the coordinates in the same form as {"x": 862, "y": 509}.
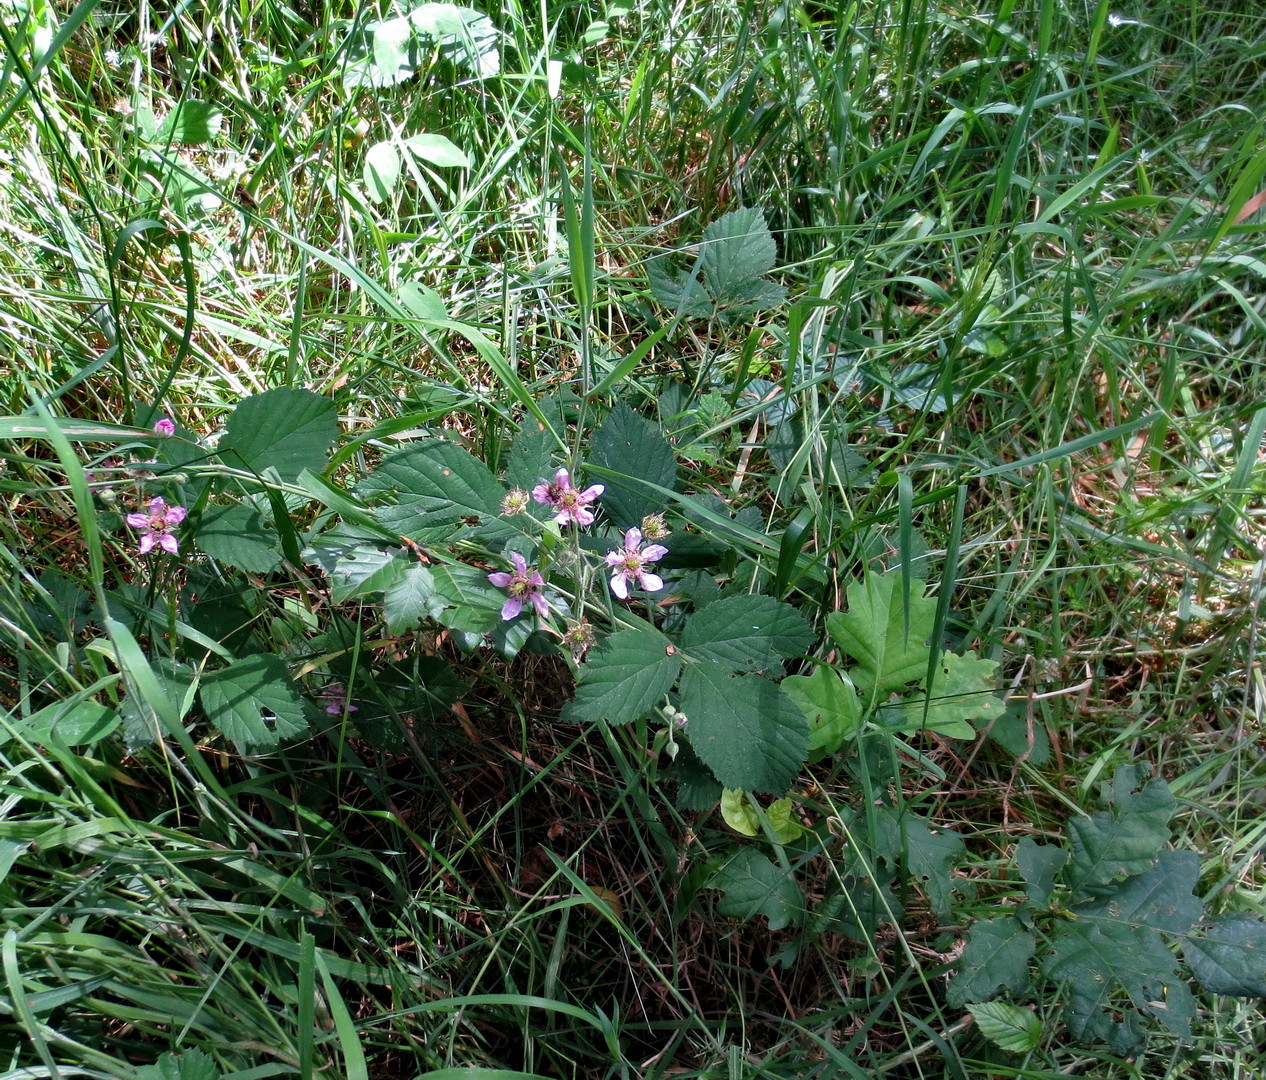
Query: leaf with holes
{"x": 253, "y": 702}
{"x": 747, "y": 632}
{"x": 624, "y": 678}
{"x": 428, "y": 484}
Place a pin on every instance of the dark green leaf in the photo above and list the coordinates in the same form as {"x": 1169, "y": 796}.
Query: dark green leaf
{"x": 1231, "y": 956}
{"x": 472, "y": 604}
{"x": 191, "y": 1065}
{"x": 1021, "y": 735}
{"x": 744, "y": 728}
{"x": 82, "y": 724}
{"x": 1039, "y": 865}
{"x": 633, "y": 449}
{"x": 236, "y": 536}
{"x": 531, "y": 455}
{"x": 285, "y": 428}
{"x": 431, "y": 483}
{"x": 755, "y": 886}
{"x": 1098, "y": 961}
{"x": 1123, "y": 840}
{"x": 996, "y": 958}
{"x": 1160, "y": 899}
{"x": 746, "y": 632}
{"x": 624, "y": 678}
{"x": 253, "y": 702}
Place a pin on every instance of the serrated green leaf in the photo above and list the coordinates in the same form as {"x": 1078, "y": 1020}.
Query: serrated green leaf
{"x": 1101, "y": 960}
{"x": 633, "y": 449}
{"x": 472, "y": 605}
{"x": 741, "y": 814}
{"x": 890, "y": 652}
{"x": 1008, "y": 1027}
{"x": 1123, "y": 840}
{"x": 929, "y": 857}
{"x": 1161, "y": 899}
{"x": 531, "y": 456}
{"x": 431, "y": 483}
{"x": 963, "y": 690}
{"x": 191, "y": 1065}
{"x": 829, "y": 701}
{"x": 1230, "y": 957}
{"x": 746, "y": 632}
{"x": 191, "y": 123}
{"x": 236, "y": 536}
{"x": 624, "y": 678}
{"x": 381, "y": 171}
{"x": 84, "y": 723}
{"x": 1039, "y": 865}
{"x": 755, "y": 886}
{"x": 437, "y": 150}
{"x": 286, "y": 428}
{"x": 744, "y": 728}
{"x": 996, "y": 958}
{"x": 365, "y": 570}
{"x": 410, "y": 598}
{"x": 253, "y": 702}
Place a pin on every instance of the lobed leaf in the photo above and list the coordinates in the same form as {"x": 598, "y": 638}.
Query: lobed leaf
{"x": 891, "y": 651}
{"x": 1122, "y": 841}
{"x": 996, "y": 958}
{"x": 754, "y": 885}
{"x": 1230, "y": 957}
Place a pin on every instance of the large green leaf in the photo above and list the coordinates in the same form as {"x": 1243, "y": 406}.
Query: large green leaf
{"x": 829, "y": 701}
{"x": 1039, "y": 865}
{"x": 364, "y": 570}
{"x": 624, "y": 678}
{"x": 1161, "y": 898}
{"x": 1123, "y": 840}
{"x": 471, "y": 604}
{"x": 431, "y": 483}
{"x": 253, "y": 702}
{"x": 754, "y": 886}
{"x": 286, "y": 428}
{"x": 236, "y": 536}
{"x": 891, "y": 650}
{"x": 962, "y": 691}
{"x": 409, "y": 598}
{"x": 192, "y": 123}
{"x": 1230, "y": 957}
{"x": 1099, "y": 960}
{"x": 1008, "y": 1027}
{"x": 81, "y": 724}
{"x": 905, "y": 839}
{"x": 633, "y": 449}
{"x": 746, "y": 632}
{"x": 996, "y": 957}
{"x": 744, "y": 728}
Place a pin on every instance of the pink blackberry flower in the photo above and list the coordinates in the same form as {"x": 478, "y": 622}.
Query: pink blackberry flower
{"x": 157, "y": 525}
{"x": 523, "y": 586}
{"x": 630, "y": 565}
{"x": 165, "y": 428}
{"x": 570, "y": 502}
{"x": 335, "y": 695}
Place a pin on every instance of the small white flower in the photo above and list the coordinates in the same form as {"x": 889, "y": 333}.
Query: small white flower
{"x": 111, "y": 57}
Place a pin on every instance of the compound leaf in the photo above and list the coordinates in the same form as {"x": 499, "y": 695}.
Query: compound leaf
{"x": 624, "y": 678}
{"x": 744, "y": 728}
{"x": 754, "y": 886}
{"x": 746, "y": 632}
{"x": 253, "y": 702}
{"x": 890, "y": 650}
{"x": 1230, "y": 958}
{"x": 996, "y": 958}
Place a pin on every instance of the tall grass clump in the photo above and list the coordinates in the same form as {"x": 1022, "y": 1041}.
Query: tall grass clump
{"x": 631, "y": 540}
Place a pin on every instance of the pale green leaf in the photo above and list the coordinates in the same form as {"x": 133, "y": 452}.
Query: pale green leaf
{"x": 1008, "y": 1027}
{"x": 741, "y": 813}
{"x": 83, "y": 723}
{"x": 891, "y": 651}
{"x": 381, "y": 171}
{"x": 962, "y": 691}
{"x": 829, "y": 701}
{"x": 744, "y": 728}
{"x": 253, "y": 702}
{"x": 437, "y": 150}
{"x": 625, "y": 677}
{"x": 192, "y": 123}
{"x": 746, "y": 632}
{"x": 365, "y": 570}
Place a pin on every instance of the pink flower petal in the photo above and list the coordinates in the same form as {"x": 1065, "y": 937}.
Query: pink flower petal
{"x": 511, "y": 608}
{"x": 138, "y": 521}
{"x": 175, "y": 515}
{"x": 633, "y": 539}
{"x": 542, "y": 608}
{"x": 520, "y": 563}
{"x": 168, "y": 543}
{"x": 619, "y": 585}
{"x": 501, "y": 579}
{"x": 652, "y": 582}
{"x": 615, "y": 558}
{"x": 654, "y": 553}
{"x": 592, "y": 492}
{"x": 541, "y": 494}
{"x": 147, "y": 544}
